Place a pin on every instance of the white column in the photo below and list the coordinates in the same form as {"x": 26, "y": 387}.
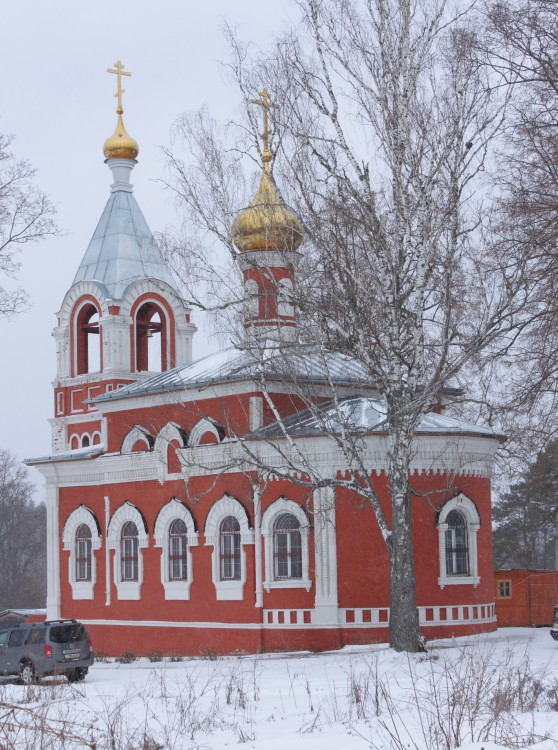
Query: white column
{"x": 53, "y": 551}
{"x": 258, "y": 547}
{"x": 61, "y": 335}
{"x": 325, "y": 544}
{"x": 116, "y": 331}
{"x": 183, "y": 343}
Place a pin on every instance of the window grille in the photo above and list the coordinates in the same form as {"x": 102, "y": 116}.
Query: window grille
{"x": 177, "y": 551}
{"x": 287, "y": 547}
{"x": 129, "y": 567}
{"x": 83, "y": 553}
{"x": 230, "y": 549}
{"x": 457, "y": 545}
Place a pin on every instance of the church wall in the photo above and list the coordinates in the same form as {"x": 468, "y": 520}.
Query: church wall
{"x": 363, "y": 572}
{"x": 230, "y": 412}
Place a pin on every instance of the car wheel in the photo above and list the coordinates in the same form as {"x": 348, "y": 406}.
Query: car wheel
{"x": 77, "y": 675}
{"x": 27, "y": 673}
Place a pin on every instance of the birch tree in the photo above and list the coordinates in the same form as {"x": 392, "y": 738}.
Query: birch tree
{"x": 383, "y": 144}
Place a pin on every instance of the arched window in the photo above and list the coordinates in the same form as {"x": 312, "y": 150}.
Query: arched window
{"x": 178, "y": 539}
{"x": 83, "y": 553}
{"x": 85, "y": 441}
{"x": 175, "y": 534}
{"x": 458, "y": 525}
{"x": 227, "y": 530}
{"x": 457, "y": 548}
{"x": 88, "y": 340}
{"x": 127, "y": 535}
{"x": 287, "y": 547}
{"x": 151, "y": 345}
{"x": 129, "y": 567}
{"x": 229, "y": 549}
{"x": 285, "y": 531}
{"x": 81, "y": 537}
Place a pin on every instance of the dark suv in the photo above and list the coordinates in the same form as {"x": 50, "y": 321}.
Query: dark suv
{"x": 37, "y": 649}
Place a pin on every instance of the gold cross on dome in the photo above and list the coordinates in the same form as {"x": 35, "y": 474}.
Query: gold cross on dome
{"x": 119, "y": 70}
{"x": 265, "y": 104}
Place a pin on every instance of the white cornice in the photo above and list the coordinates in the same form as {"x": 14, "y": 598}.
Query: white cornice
{"x": 439, "y": 454}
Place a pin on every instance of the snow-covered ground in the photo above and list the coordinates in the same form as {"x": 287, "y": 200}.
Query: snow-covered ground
{"x": 483, "y": 692}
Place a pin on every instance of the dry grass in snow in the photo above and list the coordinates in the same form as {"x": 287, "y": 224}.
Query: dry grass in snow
{"x": 485, "y": 692}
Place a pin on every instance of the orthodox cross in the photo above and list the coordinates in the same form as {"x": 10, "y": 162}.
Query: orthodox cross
{"x": 119, "y": 70}
{"x": 265, "y": 104}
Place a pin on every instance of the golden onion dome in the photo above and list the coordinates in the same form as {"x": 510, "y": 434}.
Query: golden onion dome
{"x": 120, "y": 145}
{"x": 267, "y": 223}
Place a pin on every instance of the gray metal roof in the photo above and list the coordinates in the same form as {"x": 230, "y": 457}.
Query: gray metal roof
{"x": 76, "y": 454}
{"x": 304, "y": 364}
{"x": 122, "y": 249}
{"x": 367, "y": 416}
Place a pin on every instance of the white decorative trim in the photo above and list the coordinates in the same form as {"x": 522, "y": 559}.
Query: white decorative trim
{"x": 171, "y": 431}
{"x": 151, "y": 286}
{"x": 53, "y": 552}
{"x": 175, "y": 590}
{"x": 325, "y": 550}
{"x": 276, "y": 509}
{"x": 200, "y": 429}
{"x": 81, "y": 289}
{"x": 469, "y": 511}
{"x": 227, "y": 506}
{"x": 81, "y": 516}
{"x": 127, "y": 512}
{"x": 293, "y": 619}
{"x": 267, "y": 259}
{"x": 135, "y": 435}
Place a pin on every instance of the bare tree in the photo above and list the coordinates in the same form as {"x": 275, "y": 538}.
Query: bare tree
{"x": 22, "y": 538}
{"x": 26, "y": 215}
{"x": 523, "y": 46}
{"x": 383, "y": 140}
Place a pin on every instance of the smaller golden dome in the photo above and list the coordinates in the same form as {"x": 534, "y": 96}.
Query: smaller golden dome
{"x": 120, "y": 145}
{"x": 267, "y": 223}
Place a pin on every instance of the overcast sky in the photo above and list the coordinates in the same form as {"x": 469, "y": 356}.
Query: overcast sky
{"x": 58, "y": 100}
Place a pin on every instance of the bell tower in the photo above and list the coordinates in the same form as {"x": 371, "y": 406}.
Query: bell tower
{"x": 268, "y": 234}
{"x": 123, "y": 317}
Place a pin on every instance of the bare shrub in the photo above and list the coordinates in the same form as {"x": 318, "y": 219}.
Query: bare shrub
{"x": 127, "y": 657}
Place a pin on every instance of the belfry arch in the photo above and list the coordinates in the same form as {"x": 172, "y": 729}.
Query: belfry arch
{"x": 88, "y": 339}
{"x": 151, "y": 329}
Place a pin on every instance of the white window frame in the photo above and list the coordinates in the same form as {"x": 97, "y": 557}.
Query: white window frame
{"x": 127, "y": 590}
{"x": 229, "y": 590}
{"x": 251, "y": 300}
{"x": 278, "y": 508}
{"x": 468, "y": 510}
{"x": 81, "y": 516}
{"x": 173, "y": 510}
{"x": 285, "y": 304}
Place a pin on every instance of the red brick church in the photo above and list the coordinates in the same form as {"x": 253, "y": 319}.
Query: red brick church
{"x": 164, "y": 532}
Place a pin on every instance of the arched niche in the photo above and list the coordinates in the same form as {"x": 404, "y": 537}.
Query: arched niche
{"x": 137, "y": 440}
